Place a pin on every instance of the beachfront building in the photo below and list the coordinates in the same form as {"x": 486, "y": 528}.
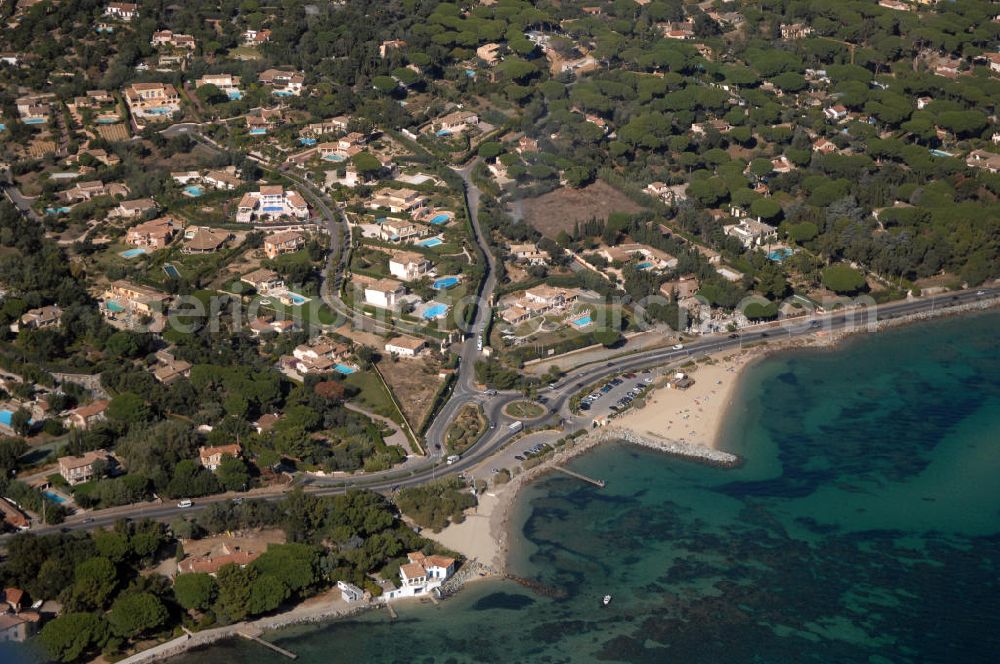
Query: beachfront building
{"x": 286, "y": 242}
{"x": 91, "y": 465}
{"x": 283, "y": 83}
{"x": 152, "y": 101}
{"x": 404, "y": 346}
{"x": 211, "y": 457}
{"x": 396, "y": 200}
{"x": 421, "y": 576}
{"x": 271, "y": 203}
{"x": 154, "y": 234}
{"x": 228, "y": 84}
{"x": 384, "y": 293}
{"x": 408, "y": 265}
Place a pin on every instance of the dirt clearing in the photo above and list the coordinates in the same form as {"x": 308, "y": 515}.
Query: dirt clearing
{"x": 559, "y": 210}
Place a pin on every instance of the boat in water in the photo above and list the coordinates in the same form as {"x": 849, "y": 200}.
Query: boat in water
{"x": 606, "y": 600}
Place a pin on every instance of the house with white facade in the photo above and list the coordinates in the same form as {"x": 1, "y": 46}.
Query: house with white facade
{"x": 408, "y": 265}
{"x": 404, "y": 346}
{"x": 271, "y": 203}
{"x": 384, "y": 293}
{"x": 421, "y": 576}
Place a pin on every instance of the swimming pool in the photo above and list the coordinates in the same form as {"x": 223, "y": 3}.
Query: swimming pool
{"x": 106, "y": 121}
{"x": 307, "y": 141}
{"x": 443, "y": 132}
{"x": 940, "y": 153}
{"x": 583, "y": 321}
{"x": 344, "y": 369}
{"x": 171, "y": 271}
{"x": 778, "y": 255}
{"x": 158, "y": 110}
{"x": 58, "y": 210}
{"x": 132, "y": 253}
{"x": 441, "y": 218}
{"x": 2, "y": 126}
{"x": 193, "y": 190}
{"x": 430, "y": 242}
{"x": 297, "y": 299}
{"x": 436, "y": 311}
{"x": 234, "y": 95}
{"x": 274, "y": 208}
{"x": 5, "y": 417}
{"x": 333, "y": 156}
{"x": 471, "y": 73}
{"x": 645, "y": 265}
{"x": 282, "y": 93}
{"x": 444, "y": 283}
{"x": 35, "y": 121}
{"x": 114, "y": 307}
{"x": 54, "y": 497}
{"x": 260, "y": 131}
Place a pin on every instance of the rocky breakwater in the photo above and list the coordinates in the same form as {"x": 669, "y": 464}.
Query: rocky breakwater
{"x": 699, "y": 453}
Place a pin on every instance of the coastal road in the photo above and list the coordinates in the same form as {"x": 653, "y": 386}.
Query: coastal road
{"x": 558, "y": 401}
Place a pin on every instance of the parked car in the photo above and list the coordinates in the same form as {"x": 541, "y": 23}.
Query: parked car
{"x": 678, "y": 346}
{"x": 184, "y": 504}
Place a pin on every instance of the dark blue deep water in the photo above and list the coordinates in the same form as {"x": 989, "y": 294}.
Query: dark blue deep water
{"x": 864, "y": 527}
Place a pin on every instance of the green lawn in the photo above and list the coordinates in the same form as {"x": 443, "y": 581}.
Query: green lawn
{"x": 372, "y": 395}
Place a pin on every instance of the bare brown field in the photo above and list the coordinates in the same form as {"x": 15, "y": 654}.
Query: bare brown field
{"x": 414, "y": 382}
{"x": 559, "y": 210}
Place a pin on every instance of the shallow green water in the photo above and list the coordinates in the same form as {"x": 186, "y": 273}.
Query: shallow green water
{"x": 864, "y": 527}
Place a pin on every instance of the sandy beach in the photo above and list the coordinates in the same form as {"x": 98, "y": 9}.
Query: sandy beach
{"x": 695, "y": 415}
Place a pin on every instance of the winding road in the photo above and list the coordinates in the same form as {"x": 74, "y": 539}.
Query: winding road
{"x": 559, "y": 417}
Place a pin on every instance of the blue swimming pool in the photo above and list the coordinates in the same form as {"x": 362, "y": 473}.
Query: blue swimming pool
{"x": 778, "y": 255}
{"x": 194, "y": 190}
{"x": 2, "y": 126}
{"x": 234, "y": 95}
{"x": 35, "y": 121}
{"x": 274, "y": 208}
{"x": 333, "y": 156}
{"x": 444, "y": 283}
{"x": 260, "y": 131}
{"x": 645, "y": 265}
{"x": 54, "y": 497}
{"x": 940, "y": 153}
{"x": 58, "y": 210}
{"x": 114, "y": 307}
{"x": 5, "y": 417}
{"x": 436, "y": 311}
{"x": 307, "y": 141}
{"x": 583, "y": 321}
{"x": 171, "y": 271}
{"x": 106, "y": 121}
{"x": 297, "y": 299}
{"x": 443, "y": 132}
{"x": 344, "y": 369}
{"x": 430, "y": 242}
{"x": 159, "y": 110}
{"x": 132, "y": 253}
{"x": 441, "y": 218}
{"x": 471, "y": 73}
{"x": 282, "y": 93}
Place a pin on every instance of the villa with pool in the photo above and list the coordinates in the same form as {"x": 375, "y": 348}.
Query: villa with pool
{"x": 152, "y": 101}
{"x": 271, "y": 203}
{"x": 228, "y": 84}
{"x": 537, "y": 301}
{"x": 34, "y": 109}
{"x": 283, "y": 83}
{"x": 154, "y": 234}
{"x": 408, "y": 265}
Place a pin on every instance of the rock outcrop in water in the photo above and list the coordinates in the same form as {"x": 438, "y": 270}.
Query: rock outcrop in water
{"x": 698, "y": 453}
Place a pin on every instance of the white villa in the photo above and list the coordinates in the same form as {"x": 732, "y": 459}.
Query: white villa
{"x": 404, "y": 346}
{"x": 227, "y": 83}
{"x": 152, "y": 100}
{"x": 408, "y": 265}
{"x": 283, "y": 83}
{"x": 538, "y": 301}
{"x": 384, "y": 293}
{"x": 398, "y": 230}
{"x": 751, "y": 232}
{"x": 422, "y": 575}
{"x": 270, "y": 203}
{"x": 396, "y": 200}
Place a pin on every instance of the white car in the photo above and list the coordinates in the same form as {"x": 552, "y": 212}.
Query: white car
{"x": 678, "y": 346}
{"x": 184, "y": 504}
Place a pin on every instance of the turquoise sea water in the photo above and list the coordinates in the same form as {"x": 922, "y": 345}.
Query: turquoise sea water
{"x": 864, "y": 527}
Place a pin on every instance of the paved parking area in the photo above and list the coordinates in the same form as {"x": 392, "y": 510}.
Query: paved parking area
{"x": 601, "y": 407}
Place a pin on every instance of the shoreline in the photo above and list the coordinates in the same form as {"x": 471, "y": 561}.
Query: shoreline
{"x": 488, "y": 531}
